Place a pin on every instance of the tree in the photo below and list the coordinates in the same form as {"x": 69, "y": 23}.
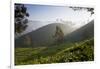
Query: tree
{"x": 59, "y": 35}
{"x": 91, "y": 10}
{"x": 20, "y": 18}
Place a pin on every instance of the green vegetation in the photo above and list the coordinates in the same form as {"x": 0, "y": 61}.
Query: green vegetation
{"x": 64, "y": 52}
{"x": 20, "y": 18}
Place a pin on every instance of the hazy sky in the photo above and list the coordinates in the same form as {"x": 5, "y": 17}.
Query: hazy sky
{"x": 52, "y": 13}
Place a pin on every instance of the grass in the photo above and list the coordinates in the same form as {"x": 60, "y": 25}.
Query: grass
{"x": 65, "y": 52}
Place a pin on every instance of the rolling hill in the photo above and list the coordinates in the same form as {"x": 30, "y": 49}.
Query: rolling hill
{"x": 41, "y": 36}
{"x": 85, "y": 32}
{"x": 44, "y": 35}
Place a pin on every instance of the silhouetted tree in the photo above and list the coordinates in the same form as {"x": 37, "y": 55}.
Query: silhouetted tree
{"x": 91, "y": 10}
{"x": 59, "y": 35}
{"x": 20, "y": 18}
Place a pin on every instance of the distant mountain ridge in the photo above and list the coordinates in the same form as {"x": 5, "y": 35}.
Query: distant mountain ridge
{"x": 33, "y": 25}
{"x": 85, "y": 32}
{"x": 44, "y": 35}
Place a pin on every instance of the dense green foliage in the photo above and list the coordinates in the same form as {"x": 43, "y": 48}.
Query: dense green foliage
{"x": 65, "y": 52}
{"x": 20, "y": 18}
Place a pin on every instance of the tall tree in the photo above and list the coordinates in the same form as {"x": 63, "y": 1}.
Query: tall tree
{"x": 21, "y": 20}
{"x": 59, "y": 35}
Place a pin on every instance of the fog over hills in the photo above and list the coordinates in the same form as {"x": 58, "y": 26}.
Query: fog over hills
{"x": 33, "y": 25}
{"x": 85, "y": 32}
{"x": 44, "y": 34}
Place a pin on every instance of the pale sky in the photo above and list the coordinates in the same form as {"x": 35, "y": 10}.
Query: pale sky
{"x": 51, "y": 13}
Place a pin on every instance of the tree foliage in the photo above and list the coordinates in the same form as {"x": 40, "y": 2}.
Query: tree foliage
{"x": 21, "y": 20}
{"x": 59, "y": 35}
{"x": 91, "y": 10}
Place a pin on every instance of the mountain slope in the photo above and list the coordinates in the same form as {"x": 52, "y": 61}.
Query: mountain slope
{"x": 74, "y": 52}
{"x": 82, "y": 33}
{"x": 44, "y": 35}
{"x": 41, "y": 36}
